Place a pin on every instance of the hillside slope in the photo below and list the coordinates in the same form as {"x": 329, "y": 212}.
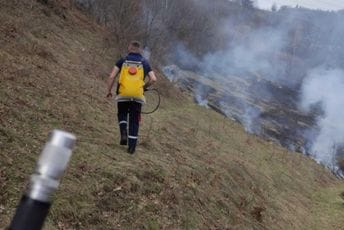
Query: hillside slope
{"x": 194, "y": 169}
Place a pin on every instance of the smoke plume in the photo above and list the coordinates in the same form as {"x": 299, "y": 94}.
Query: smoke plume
{"x": 324, "y": 88}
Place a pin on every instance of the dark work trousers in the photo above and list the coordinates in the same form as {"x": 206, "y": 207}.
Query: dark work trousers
{"x": 133, "y": 109}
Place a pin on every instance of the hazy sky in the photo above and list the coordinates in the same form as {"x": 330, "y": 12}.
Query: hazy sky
{"x": 313, "y": 4}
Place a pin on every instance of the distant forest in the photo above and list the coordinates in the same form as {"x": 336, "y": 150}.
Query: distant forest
{"x": 312, "y": 37}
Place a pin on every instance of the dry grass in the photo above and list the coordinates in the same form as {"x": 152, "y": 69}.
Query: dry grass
{"x": 193, "y": 169}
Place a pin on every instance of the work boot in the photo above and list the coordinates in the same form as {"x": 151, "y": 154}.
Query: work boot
{"x": 131, "y": 149}
{"x": 132, "y": 140}
{"x": 124, "y": 138}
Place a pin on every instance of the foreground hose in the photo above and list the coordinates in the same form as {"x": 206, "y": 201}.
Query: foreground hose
{"x": 34, "y": 205}
{"x": 152, "y": 101}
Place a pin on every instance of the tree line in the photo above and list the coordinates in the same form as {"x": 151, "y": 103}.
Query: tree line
{"x": 208, "y": 26}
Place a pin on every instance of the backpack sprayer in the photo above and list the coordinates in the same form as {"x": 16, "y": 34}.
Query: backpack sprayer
{"x": 34, "y": 205}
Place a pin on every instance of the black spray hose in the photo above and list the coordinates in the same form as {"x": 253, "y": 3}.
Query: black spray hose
{"x": 157, "y": 105}
{"x": 34, "y": 205}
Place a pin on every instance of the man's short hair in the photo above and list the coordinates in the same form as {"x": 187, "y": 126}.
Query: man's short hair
{"x": 134, "y": 47}
{"x": 136, "y": 44}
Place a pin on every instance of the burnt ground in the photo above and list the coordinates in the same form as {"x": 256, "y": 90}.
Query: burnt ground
{"x": 263, "y": 107}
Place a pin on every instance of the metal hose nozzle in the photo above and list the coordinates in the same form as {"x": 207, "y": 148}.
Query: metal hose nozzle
{"x": 34, "y": 205}
{"x": 51, "y": 165}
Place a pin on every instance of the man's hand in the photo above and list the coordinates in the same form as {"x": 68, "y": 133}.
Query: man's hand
{"x": 111, "y": 80}
{"x": 150, "y": 82}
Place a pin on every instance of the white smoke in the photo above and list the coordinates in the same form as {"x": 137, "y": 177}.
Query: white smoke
{"x": 202, "y": 101}
{"x": 171, "y": 72}
{"x": 268, "y": 64}
{"x": 251, "y": 55}
{"x": 250, "y": 120}
{"x": 147, "y": 53}
{"x": 325, "y": 87}
{"x": 251, "y": 52}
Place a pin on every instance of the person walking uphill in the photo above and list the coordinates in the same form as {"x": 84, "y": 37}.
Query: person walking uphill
{"x": 130, "y": 92}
